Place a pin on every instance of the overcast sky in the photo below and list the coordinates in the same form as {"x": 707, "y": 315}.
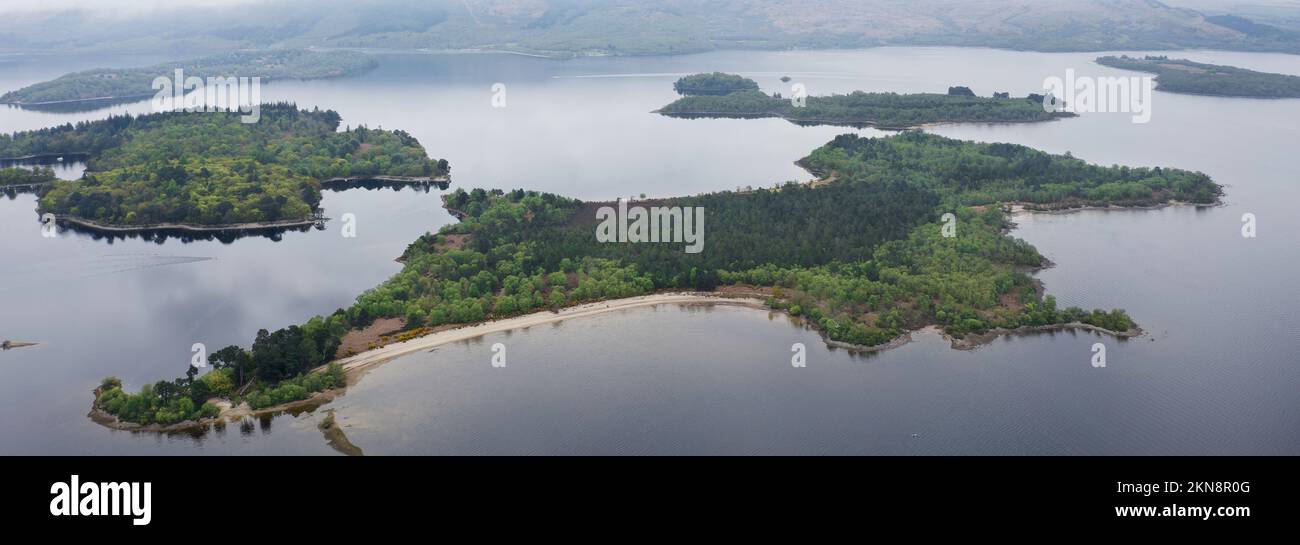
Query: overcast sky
{"x": 136, "y": 7}
{"x": 120, "y": 7}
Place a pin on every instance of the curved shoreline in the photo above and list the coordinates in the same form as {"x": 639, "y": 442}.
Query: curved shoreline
{"x": 1019, "y": 208}
{"x": 187, "y": 227}
{"x": 39, "y": 156}
{"x": 77, "y": 100}
{"x": 441, "y": 180}
{"x": 355, "y": 367}
{"x": 371, "y": 358}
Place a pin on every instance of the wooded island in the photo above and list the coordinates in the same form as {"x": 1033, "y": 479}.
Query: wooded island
{"x": 210, "y": 170}
{"x": 865, "y": 256}
{"x": 727, "y": 95}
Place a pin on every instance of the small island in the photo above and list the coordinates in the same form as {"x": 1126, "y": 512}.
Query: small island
{"x": 713, "y": 84}
{"x": 1194, "y": 78}
{"x": 861, "y": 256}
{"x": 118, "y": 84}
{"x": 726, "y": 95}
{"x": 23, "y": 179}
{"x": 209, "y": 171}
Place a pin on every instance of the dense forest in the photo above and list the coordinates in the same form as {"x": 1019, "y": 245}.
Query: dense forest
{"x": 210, "y": 168}
{"x": 1184, "y": 76}
{"x": 103, "y": 83}
{"x": 887, "y": 110}
{"x": 863, "y": 258}
{"x": 971, "y": 173}
{"x": 716, "y": 83}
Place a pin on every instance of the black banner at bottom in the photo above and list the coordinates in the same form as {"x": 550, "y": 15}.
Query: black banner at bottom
{"x": 304, "y": 496}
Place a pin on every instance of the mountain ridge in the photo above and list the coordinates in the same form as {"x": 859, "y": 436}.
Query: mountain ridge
{"x": 627, "y": 27}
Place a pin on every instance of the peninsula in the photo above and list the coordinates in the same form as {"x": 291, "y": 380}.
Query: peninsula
{"x": 732, "y": 96}
{"x": 905, "y": 232}
{"x": 1194, "y": 78}
{"x": 114, "y": 84}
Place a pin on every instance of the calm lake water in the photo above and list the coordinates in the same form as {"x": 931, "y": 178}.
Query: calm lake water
{"x": 1217, "y": 372}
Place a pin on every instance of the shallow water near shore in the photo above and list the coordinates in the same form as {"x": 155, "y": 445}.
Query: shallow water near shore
{"x": 1214, "y": 374}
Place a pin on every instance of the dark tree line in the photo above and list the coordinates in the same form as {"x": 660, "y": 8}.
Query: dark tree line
{"x": 859, "y": 108}
{"x": 972, "y": 173}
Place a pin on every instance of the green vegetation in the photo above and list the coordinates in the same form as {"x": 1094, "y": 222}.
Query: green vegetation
{"x": 863, "y": 258}
{"x": 25, "y": 176}
{"x": 889, "y": 110}
{"x": 967, "y": 284}
{"x": 297, "y": 388}
{"x": 166, "y": 403}
{"x": 1184, "y": 76}
{"x": 968, "y": 173}
{"x": 280, "y": 368}
{"x": 715, "y": 83}
{"x": 104, "y": 83}
{"x": 211, "y": 169}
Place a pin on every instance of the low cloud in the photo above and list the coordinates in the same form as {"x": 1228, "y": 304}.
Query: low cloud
{"x": 116, "y": 7}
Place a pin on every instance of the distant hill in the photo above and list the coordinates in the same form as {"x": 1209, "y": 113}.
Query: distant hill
{"x": 637, "y": 27}
{"x": 1284, "y": 14}
{"x": 119, "y": 83}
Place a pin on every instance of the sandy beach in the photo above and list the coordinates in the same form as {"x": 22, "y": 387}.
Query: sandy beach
{"x": 356, "y": 366}
{"x": 365, "y": 360}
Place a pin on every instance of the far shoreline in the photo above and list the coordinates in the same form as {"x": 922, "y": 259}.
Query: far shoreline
{"x": 77, "y": 100}
{"x": 815, "y": 122}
